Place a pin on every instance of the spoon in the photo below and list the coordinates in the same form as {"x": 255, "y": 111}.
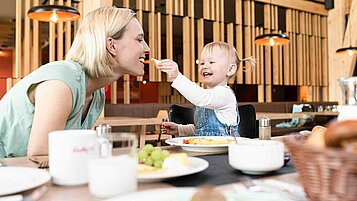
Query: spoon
{"x": 229, "y": 129}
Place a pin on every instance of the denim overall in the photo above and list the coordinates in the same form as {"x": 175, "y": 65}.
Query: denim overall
{"x": 207, "y": 124}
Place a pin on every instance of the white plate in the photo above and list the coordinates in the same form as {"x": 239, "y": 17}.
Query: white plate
{"x": 213, "y": 148}
{"x": 185, "y": 194}
{"x": 18, "y": 179}
{"x": 195, "y": 165}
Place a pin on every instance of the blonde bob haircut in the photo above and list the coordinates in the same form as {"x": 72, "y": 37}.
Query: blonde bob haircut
{"x": 231, "y": 54}
{"x": 89, "y": 46}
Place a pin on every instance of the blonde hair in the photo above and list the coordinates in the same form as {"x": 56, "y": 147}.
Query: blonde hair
{"x": 89, "y": 46}
{"x": 231, "y": 54}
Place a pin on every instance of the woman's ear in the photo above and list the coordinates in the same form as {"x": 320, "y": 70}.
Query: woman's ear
{"x": 232, "y": 69}
{"x": 111, "y": 46}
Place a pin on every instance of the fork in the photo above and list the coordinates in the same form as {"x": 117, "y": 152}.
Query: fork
{"x": 249, "y": 184}
{"x": 252, "y": 187}
{"x": 40, "y": 163}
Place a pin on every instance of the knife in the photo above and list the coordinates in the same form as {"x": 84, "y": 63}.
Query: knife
{"x": 32, "y": 196}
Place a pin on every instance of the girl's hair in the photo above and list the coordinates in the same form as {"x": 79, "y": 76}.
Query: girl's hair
{"x": 231, "y": 53}
{"x": 89, "y": 46}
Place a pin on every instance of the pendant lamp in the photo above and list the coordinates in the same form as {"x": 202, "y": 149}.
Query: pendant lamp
{"x": 348, "y": 50}
{"x": 53, "y": 13}
{"x": 271, "y": 39}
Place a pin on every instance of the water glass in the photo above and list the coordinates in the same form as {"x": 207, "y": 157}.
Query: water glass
{"x": 114, "y": 175}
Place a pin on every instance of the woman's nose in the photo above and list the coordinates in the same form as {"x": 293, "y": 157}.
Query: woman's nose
{"x": 146, "y": 48}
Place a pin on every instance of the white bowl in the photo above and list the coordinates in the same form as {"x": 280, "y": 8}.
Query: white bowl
{"x": 256, "y": 156}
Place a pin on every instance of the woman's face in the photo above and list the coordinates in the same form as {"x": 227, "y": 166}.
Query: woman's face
{"x": 214, "y": 68}
{"x": 131, "y": 49}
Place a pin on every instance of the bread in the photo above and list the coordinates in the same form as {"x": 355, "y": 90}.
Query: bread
{"x": 341, "y": 134}
{"x": 317, "y": 136}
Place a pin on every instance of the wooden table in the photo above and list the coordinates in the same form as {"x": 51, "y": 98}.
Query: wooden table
{"x": 131, "y": 121}
{"x": 80, "y": 193}
{"x": 275, "y": 116}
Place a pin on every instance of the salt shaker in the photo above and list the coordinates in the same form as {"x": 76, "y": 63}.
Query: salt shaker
{"x": 264, "y": 129}
{"x": 103, "y": 144}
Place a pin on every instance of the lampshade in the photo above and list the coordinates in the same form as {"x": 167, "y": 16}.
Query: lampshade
{"x": 271, "y": 39}
{"x": 347, "y": 50}
{"x": 53, "y": 13}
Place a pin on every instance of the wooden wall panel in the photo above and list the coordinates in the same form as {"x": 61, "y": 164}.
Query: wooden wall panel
{"x": 239, "y": 38}
{"x": 247, "y": 37}
{"x": 35, "y": 58}
{"x": 303, "y": 61}
{"x": 17, "y": 71}
{"x": 27, "y": 42}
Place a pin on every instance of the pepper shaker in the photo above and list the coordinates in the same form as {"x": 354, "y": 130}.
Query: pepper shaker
{"x": 264, "y": 128}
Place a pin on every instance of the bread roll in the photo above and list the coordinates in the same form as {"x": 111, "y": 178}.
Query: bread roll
{"x": 341, "y": 134}
{"x": 317, "y": 136}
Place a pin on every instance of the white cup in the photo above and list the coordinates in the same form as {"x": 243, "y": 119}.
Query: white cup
{"x": 115, "y": 175}
{"x": 69, "y": 151}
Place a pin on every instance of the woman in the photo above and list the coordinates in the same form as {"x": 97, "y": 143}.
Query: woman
{"x": 69, "y": 94}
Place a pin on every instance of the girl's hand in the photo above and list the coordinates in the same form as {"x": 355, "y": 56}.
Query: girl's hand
{"x": 170, "y": 128}
{"x": 168, "y": 66}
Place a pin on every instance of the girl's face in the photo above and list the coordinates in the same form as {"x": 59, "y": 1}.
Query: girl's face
{"x": 214, "y": 68}
{"x": 131, "y": 49}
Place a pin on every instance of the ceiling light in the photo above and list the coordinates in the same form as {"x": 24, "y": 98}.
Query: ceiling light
{"x": 271, "y": 39}
{"x": 53, "y": 13}
{"x": 348, "y": 50}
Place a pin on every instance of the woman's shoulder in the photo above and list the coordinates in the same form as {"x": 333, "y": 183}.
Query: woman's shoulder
{"x": 62, "y": 70}
{"x": 65, "y": 65}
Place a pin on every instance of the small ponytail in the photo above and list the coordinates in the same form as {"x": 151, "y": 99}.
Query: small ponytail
{"x": 252, "y": 61}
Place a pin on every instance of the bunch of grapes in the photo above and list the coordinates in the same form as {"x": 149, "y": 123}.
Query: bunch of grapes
{"x": 152, "y": 156}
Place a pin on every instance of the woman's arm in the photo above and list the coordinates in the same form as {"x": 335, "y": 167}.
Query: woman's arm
{"x": 53, "y": 104}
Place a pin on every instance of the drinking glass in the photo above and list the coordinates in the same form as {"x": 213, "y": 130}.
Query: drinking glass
{"x": 109, "y": 176}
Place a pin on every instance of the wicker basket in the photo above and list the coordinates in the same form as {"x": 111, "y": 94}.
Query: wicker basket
{"x": 327, "y": 174}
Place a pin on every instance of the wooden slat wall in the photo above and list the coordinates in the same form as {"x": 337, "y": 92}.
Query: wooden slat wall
{"x": 28, "y": 48}
{"x": 302, "y": 62}
{"x": 239, "y": 37}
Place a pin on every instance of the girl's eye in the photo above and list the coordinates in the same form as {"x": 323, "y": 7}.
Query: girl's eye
{"x": 211, "y": 62}
{"x": 202, "y": 63}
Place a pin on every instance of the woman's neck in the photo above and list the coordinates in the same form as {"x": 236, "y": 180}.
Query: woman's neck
{"x": 97, "y": 83}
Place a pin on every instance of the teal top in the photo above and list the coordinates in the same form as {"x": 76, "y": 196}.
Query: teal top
{"x": 17, "y": 112}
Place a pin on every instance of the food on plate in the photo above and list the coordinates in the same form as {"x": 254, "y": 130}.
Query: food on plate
{"x": 317, "y": 136}
{"x": 154, "y": 160}
{"x": 342, "y": 134}
{"x": 207, "y": 141}
{"x": 152, "y": 156}
{"x": 176, "y": 163}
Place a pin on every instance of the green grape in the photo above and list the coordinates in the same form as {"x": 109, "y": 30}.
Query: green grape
{"x": 158, "y": 164}
{"x": 142, "y": 155}
{"x": 148, "y": 148}
{"x": 156, "y": 154}
{"x": 165, "y": 154}
{"x": 149, "y": 161}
